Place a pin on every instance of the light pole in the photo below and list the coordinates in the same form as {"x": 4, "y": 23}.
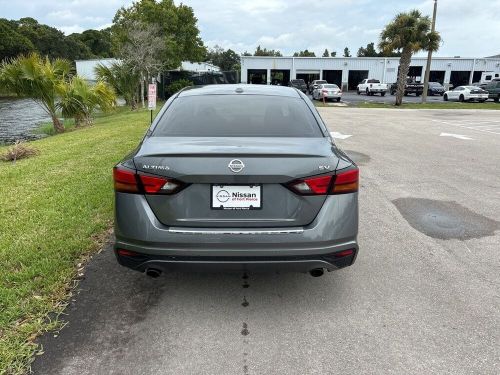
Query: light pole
{"x": 429, "y": 57}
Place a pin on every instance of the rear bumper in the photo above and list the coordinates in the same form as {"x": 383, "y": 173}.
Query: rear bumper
{"x": 334, "y": 229}
{"x": 330, "y": 262}
{"x": 473, "y": 97}
{"x": 332, "y": 96}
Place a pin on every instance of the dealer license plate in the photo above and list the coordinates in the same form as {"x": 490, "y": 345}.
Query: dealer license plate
{"x": 236, "y": 197}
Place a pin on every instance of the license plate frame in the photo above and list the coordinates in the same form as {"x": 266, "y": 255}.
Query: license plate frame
{"x": 235, "y": 203}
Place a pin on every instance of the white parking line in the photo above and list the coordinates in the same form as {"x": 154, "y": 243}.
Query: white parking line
{"x": 468, "y": 127}
{"x": 338, "y": 135}
{"x": 458, "y": 136}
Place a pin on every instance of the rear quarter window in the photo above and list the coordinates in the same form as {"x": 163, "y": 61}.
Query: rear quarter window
{"x": 237, "y": 116}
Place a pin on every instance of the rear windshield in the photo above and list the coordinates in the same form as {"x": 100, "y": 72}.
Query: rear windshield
{"x": 330, "y": 86}
{"x": 237, "y": 116}
{"x": 373, "y": 81}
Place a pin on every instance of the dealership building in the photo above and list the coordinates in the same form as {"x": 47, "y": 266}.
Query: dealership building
{"x": 347, "y": 72}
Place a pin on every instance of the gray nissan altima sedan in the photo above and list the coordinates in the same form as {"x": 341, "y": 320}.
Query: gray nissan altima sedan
{"x": 236, "y": 177}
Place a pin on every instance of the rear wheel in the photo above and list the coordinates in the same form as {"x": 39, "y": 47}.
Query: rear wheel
{"x": 445, "y": 97}
{"x": 461, "y": 98}
{"x": 338, "y": 99}
{"x": 367, "y": 92}
{"x": 417, "y": 94}
{"x": 382, "y": 94}
{"x": 359, "y": 92}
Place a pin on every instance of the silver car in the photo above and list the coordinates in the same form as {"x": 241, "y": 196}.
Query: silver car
{"x": 236, "y": 177}
{"x": 327, "y": 91}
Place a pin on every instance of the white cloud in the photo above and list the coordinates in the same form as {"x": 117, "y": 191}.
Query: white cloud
{"x": 468, "y": 28}
{"x": 71, "y": 29}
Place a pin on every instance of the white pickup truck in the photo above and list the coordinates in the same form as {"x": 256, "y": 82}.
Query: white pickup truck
{"x": 372, "y": 87}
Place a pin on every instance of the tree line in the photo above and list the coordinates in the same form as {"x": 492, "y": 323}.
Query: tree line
{"x": 150, "y": 37}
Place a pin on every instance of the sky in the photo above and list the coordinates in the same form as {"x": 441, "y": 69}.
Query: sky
{"x": 469, "y": 28}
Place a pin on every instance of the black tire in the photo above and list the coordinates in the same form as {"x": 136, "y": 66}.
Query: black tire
{"x": 338, "y": 99}
{"x": 445, "y": 97}
{"x": 406, "y": 94}
{"x": 461, "y": 98}
{"x": 359, "y": 92}
{"x": 393, "y": 92}
{"x": 497, "y": 99}
{"x": 382, "y": 94}
{"x": 367, "y": 92}
{"x": 417, "y": 94}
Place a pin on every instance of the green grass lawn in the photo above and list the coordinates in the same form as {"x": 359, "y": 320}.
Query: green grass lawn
{"x": 55, "y": 208}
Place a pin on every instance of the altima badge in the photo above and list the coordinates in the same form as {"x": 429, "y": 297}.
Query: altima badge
{"x": 236, "y": 165}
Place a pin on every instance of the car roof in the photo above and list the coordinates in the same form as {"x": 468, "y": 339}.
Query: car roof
{"x": 239, "y": 89}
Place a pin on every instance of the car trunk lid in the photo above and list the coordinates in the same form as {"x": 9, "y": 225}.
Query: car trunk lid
{"x": 203, "y": 163}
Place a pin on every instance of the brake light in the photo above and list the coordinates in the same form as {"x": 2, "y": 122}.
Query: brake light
{"x": 127, "y": 181}
{"x": 312, "y": 186}
{"x": 346, "y": 182}
{"x": 155, "y": 185}
{"x": 342, "y": 183}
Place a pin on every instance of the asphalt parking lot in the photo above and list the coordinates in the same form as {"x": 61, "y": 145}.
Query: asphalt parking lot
{"x": 351, "y": 97}
{"x": 422, "y": 297}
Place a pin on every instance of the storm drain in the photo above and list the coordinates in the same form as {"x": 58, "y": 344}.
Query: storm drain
{"x": 445, "y": 219}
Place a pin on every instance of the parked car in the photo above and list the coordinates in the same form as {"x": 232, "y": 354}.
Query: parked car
{"x": 493, "y": 89}
{"x": 435, "y": 88}
{"x": 372, "y": 87}
{"x": 314, "y": 84}
{"x": 479, "y": 84}
{"x": 466, "y": 94}
{"x": 411, "y": 87}
{"x": 299, "y": 84}
{"x": 327, "y": 91}
{"x": 236, "y": 177}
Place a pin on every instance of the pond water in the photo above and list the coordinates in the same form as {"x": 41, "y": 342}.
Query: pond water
{"x": 18, "y": 119}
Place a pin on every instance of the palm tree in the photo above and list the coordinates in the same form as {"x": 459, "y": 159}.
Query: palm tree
{"x": 80, "y": 100}
{"x": 123, "y": 79}
{"x": 37, "y": 78}
{"x": 408, "y": 33}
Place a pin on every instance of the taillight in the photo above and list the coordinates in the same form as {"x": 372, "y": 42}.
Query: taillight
{"x": 346, "y": 182}
{"x": 159, "y": 185}
{"x": 127, "y": 181}
{"x": 312, "y": 186}
{"x": 342, "y": 183}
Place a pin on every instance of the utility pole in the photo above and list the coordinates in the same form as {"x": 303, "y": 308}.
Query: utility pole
{"x": 429, "y": 57}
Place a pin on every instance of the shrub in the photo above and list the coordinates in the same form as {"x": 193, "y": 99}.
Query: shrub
{"x": 20, "y": 150}
{"x": 177, "y": 86}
